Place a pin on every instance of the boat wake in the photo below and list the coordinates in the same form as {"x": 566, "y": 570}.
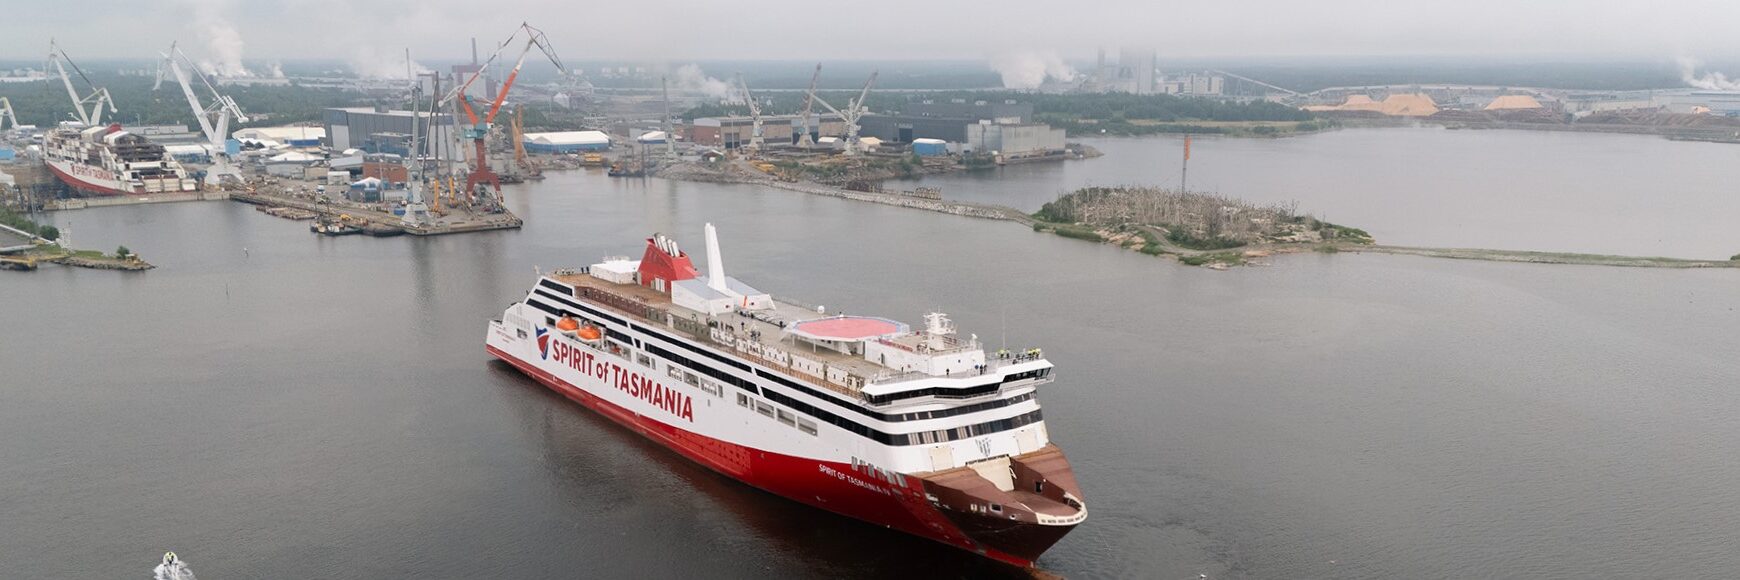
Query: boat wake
{"x": 172, "y": 568}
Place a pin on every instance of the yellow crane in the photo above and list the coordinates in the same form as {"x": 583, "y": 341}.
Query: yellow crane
{"x": 525, "y": 162}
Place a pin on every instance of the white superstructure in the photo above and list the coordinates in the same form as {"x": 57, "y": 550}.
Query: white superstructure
{"x": 774, "y": 392}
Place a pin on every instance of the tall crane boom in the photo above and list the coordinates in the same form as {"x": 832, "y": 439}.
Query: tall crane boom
{"x": 87, "y": 109}
{"x": 805, "y": 140}
{"x": 214, "y": 119}
{"x": 670, "y": 131}
{"x": 855, "y": 110}
{"x": 478, "y": 129}
{"x": 755, "y": 139}
{"x": 6, "y": 112}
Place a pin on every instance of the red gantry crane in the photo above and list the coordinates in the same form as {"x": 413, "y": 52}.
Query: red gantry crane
{"x": 478, "y": 128}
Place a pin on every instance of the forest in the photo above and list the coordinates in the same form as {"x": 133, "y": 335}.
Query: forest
{"x": 46, "y": 103}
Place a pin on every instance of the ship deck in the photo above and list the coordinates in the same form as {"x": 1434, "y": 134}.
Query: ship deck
{"x": 768, "y": 328}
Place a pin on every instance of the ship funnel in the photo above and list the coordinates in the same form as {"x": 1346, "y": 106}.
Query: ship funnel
{"x": 715, "y": 264}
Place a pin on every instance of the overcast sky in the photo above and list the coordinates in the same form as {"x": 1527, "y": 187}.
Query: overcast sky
{"x": 659, "y": 30}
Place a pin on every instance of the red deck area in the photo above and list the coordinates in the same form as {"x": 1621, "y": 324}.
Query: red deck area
{"x": 848, "y": 328}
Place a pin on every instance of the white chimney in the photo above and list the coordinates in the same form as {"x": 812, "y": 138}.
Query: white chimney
{"x": 715, "y": 264}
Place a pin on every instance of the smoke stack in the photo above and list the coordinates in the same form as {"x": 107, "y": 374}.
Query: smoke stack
{"x": 715, "y": 264}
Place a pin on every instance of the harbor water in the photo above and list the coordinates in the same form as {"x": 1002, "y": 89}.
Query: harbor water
{"x": 1635, "y": 195}
{"x": 270, "y": 404}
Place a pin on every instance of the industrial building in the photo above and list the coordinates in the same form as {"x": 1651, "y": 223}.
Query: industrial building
{"x": 732, "y": 132}
{"x": 1135, "y": 72}
{"x": 291, "y": 136}
{"x": 378, "y": 130}
{"x": 905, "y": 129}
{"x": 1005, "y": 111}
{"x": 1014, "y": 141}
{"x": 567, "y": 142}
{"x": 1194, "y": 84}
{"x": 947, "y": 121}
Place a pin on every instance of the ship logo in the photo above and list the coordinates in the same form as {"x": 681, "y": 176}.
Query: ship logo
{"x": 543, "y": 342}
{"x": 984, "y": 446}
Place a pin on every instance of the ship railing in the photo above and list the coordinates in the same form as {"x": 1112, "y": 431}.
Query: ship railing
{"x": 699, "y": 330}
{"x": 950, "y": 344}
{"x": 993, "y": 362}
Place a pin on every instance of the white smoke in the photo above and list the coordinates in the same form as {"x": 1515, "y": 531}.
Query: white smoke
{"x": 690, "y": 78}
{"x": 220, "y": 37}
{"x": 1714, "y": 81}
{"x": 368, "y": 62}
{"x": 1027, "y": 69}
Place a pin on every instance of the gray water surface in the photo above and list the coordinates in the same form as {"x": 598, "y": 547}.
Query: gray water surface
{"x": 323, "y": 407}
{"x": 1636, "y": 195}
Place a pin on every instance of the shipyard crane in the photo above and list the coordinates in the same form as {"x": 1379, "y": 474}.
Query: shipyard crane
{"x": 755, "y": 140}
{"x": 87, "y": 109}
{"x": 670, "y": 131}
{"x": 855, "y": 110}
{"x": 6, "y": 112}
{"x": 478, "y": 129}
{"x": 804, "y": 140}
{"x": 214, "y": 119}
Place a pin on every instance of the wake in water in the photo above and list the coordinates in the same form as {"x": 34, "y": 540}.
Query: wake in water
{"x": 172, "y": 568}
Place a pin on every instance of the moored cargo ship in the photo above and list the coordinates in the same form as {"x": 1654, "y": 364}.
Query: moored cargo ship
{"x": 921, "y": 431}
{"x": 108, "y": 160}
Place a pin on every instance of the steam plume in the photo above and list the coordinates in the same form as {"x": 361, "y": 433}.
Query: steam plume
{"x": 221, "y": 39}
{"x": 690, "y": 78}
{"x": 1713, "y": 81}
{"x": 1030, "y": 68}
{"x": 368, "y": 62}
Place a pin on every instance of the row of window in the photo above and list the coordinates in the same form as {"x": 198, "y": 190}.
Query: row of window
{"x": 953, "y": 393}
{"x": 870, "y": 469}
{"x": 927, "y": 437}
{"x": 785, "y": 417}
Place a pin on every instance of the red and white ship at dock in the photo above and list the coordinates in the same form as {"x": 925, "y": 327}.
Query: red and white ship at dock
{"x": 108, "y": 160}
{"x": 920, "y": 431}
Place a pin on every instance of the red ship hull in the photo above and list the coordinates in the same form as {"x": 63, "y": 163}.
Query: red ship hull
{"x": 84, "y": 186}
{"x": 831, "y": 486}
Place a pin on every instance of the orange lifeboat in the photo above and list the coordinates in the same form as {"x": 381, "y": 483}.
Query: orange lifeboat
{"x": 590, "y": 333}
{"x": 567, "y": 325}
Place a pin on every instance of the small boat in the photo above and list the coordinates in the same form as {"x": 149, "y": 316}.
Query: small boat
{"x": 330, "y": 228}
{"x": 172, "y": 568}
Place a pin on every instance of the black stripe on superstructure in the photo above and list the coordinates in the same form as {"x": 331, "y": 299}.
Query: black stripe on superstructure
{"x": 557, "y": 286}
{"x": 554, "y": 311}
{"x": 797, "y": 405}
{"x": 724, "y": 377}
{"x": 836, "y": 401}
{"x": 692, "y": 348}
{"x": 790, "y": 384}
{"x": 580, "y": 307}
{"x": 900, "y": 439}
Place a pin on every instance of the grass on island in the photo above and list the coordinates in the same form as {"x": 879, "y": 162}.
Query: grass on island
{"x": 1228, "y": 258}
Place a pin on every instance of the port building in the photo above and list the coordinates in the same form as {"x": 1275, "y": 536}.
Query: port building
{"x": 379, "y": 130}
{"x": 567, "y": 142}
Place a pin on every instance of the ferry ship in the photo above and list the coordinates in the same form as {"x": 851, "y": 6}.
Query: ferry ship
{"x": 920, "y": 431}
{"x": 108, "y": 160}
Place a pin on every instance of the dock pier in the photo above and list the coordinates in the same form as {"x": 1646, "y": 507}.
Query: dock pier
{"x": 456, "y": 224}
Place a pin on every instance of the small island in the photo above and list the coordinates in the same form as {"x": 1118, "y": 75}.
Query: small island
{"x": 27, "y": 244}
{"x": 1198, "y": 229}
